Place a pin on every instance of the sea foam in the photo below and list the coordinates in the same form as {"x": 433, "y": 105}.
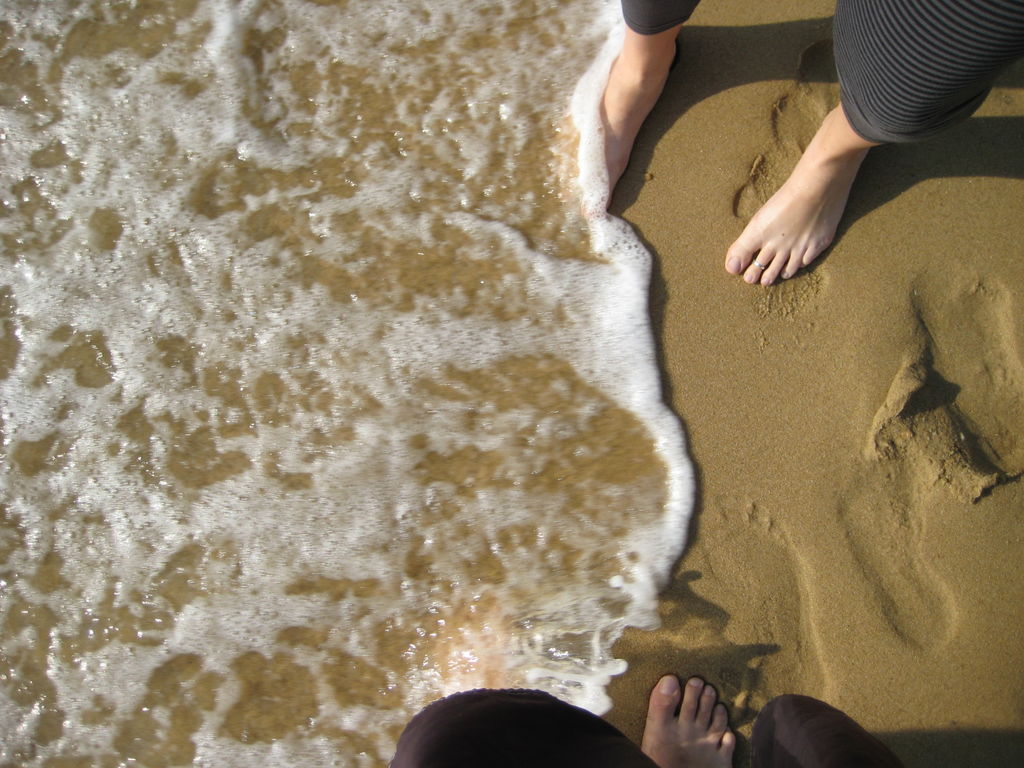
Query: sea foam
{"x": 318, "y": 398}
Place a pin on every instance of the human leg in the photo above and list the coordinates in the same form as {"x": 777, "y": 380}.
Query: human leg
{"x": 907, "y": 71}
{"x": 802, "y": 732}
{"x": 638, "y": 75}
{"x": 799, "y": 221}
{"x": 510, "y": 729}
{"x": 635, "y": 82}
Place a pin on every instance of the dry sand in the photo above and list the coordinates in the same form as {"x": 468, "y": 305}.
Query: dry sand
{"x": 858, "y": 431}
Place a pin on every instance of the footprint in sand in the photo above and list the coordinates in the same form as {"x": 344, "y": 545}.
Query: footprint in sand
{"x": 885, "y": 533}
{"x": 941, "y": 435}
{"x": 920, "y": 426}
{"x": 978, "y": 336}
{"x": 884, "y": 520}
{"x": 936, "y": 445}
{"x": 795, "y": 118}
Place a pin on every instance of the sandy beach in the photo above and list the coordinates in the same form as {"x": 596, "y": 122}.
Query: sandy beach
{"x": 856, "y": 430}
{"x": 316, "y": 405}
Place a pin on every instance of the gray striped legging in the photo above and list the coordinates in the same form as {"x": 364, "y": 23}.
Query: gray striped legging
{"x": 907, "y": 68}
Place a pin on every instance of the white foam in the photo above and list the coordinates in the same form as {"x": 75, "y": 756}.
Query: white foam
{"x": 359, "y": 379}
{"x": 592, "y": 179}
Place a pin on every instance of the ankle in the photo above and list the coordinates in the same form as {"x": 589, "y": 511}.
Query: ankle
{"x": 837, "y": 140}
{"x": 646, "y": 65}
{"x": 832, "y": 152}
{"x": 646, "y": 79}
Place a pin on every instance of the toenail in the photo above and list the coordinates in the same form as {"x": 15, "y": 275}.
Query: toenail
{"x": 695, "y": 682}
{"x": 734, "y": 265}
{"x": 668, "y": 685}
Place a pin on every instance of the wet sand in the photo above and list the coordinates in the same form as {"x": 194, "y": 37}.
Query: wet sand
{"x": 858, "y": 431}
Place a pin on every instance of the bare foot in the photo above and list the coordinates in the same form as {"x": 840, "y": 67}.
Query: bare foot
{"x": 635, "y": 82}
{"x": 698, "y": 738}
{"x": 800, "y": 220}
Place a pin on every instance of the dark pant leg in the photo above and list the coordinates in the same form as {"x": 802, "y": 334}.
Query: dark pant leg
{"x": 909, "y": 69}
{"x": 648, "y": 17}
{"x": 802, "y": 732}
{"x": 512, "y": 729}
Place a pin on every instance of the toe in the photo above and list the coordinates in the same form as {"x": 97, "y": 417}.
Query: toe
{"x": 706, "y": 706}
{"x": 814, "y": 249}
{"x": 728, "y": 744}
{"x": 792, "y": 266}
{"x": 691, "y": 699}
{"x": 773, "y": 270}
{"x": 663, "y": 702}
{"x": 740, "y": 254}
{"x": 757, "y": 268}
{"x": 719, "y": 721}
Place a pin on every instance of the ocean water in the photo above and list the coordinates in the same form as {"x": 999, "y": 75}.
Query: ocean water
{"x": 319, "y": 399}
